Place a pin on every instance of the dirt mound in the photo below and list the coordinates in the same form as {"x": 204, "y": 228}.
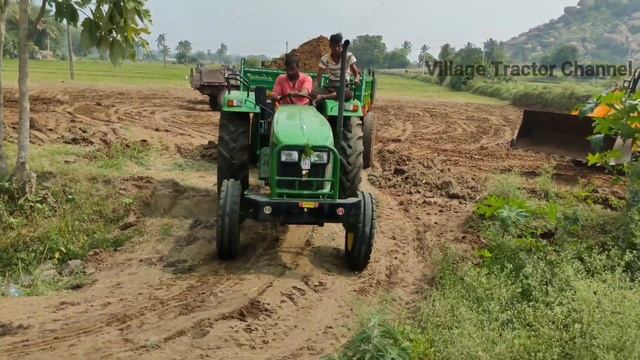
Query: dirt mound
{"x": 102, "y": 135}
{"x": 421, "y": 179}
{"x": 309, "y": 53}
{"x": 206, "y": 152}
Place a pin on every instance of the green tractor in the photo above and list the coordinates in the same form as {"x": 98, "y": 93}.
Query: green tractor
{"x": 311, "y": 160}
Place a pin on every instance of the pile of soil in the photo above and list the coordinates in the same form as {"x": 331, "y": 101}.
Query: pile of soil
{"x": 419, "y": 178}
{"x": 309, "y": 53}
{"x": 207, "y": 152}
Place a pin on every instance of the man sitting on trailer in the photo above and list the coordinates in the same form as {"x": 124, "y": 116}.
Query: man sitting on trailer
{"x": 293, "y": 87}
{"x": 330, "y": 65}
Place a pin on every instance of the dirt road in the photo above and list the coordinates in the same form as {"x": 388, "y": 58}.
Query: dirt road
{"x": 289, "y": 296}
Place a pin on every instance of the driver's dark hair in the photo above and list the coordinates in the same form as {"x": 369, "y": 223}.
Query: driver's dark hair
{"x": 291, "y": 59}
{"x": 335, "y": 39}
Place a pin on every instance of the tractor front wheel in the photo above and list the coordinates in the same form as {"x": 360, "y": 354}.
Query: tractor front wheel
{"x": 360, "y": 236}
{"x": 368, "y": 139}
{"x": 228, "y": 228}
{"x": 234, "y": 148}
{"x": 351, "y": 150}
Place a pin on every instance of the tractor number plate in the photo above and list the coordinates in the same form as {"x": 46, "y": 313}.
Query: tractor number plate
{"x": 306, "y": 163}
{"x": 309, "y": 205}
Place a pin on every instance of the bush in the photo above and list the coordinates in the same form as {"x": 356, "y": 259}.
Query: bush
{"x": 376, "y": 340}
{"x": 561, "y": 98}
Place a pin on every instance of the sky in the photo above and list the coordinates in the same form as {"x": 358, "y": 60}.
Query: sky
{"x": 264, "y": 27}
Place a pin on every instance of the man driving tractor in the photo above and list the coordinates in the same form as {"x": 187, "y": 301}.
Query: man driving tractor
{"x": 293, "y": 87}
{"x": 330, "y": 64}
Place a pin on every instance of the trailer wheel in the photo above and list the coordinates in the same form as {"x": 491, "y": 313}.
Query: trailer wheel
{"x": 214, "y": 105}
{"x": 234, "y": 148}
{"x": 216, "y": 100}
{"x": 360, "y": 236}
{"x": 228, "y": 227}
{"x": 351, "y": 149}
{"x": 368, "y": 139}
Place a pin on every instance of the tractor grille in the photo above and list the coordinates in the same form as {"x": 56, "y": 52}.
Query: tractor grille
{"x": 294, "y": 170}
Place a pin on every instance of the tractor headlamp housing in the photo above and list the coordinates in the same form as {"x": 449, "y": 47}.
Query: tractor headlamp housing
{"x": 320, "y": 157}
{"x": 289, "y": 156}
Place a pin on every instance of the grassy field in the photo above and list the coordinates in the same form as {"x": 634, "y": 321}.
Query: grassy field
{"x": 101, "y": 73}
{"x": 92, "y": 72}
{"x": 397, "y": 86}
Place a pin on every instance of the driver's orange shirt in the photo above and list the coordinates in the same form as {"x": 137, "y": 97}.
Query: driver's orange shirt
{"x": 284, "y": 86}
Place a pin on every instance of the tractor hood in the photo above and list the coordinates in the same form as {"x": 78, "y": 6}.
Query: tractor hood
{"x": 301, "y": 125}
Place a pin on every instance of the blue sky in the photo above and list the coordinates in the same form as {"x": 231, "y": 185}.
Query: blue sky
{"x": 263, "y": 27}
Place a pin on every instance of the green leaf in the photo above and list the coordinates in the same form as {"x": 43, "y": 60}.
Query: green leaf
{"x": 89, "y": 35}
{"x": 103, "y": 44}
{"x": 116, "y": 52}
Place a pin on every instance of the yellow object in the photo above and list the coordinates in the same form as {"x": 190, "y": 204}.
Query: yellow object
{"x": 350, "y": 237}
{"x": 309, "y": 205}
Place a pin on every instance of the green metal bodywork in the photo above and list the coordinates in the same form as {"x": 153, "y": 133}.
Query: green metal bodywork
{"x": 298, "y": 128}
{"x": 300, "y": 125}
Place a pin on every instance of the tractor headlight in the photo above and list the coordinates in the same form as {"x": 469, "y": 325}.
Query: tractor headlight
{"x": 320, "y": 158}
{"x": 289, "y": 156}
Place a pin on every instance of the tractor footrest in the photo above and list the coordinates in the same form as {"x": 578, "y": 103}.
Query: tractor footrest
{"x": 300, "y": 212}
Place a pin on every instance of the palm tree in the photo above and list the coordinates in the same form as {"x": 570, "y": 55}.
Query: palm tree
{"x": 423, "y": 55}
{"x": 163, "y": 48}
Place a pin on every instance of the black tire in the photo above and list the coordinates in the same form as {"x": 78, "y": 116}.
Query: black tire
{"x": 228, "y": 227}
{"x": 360, "y": 237}
{"x": 351, "y": 150}
{"x": 214, "y": 105}
{"x": 234, "y": 148}
{"x": 368, "y": 139}
{"x": 255, "y": 134}
{"x": 216, "y": 100}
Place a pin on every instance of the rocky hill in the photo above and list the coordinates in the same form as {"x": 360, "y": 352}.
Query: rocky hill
{"x": 603, "y": 30}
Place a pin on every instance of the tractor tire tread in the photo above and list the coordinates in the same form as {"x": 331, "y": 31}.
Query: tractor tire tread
{"x": 234, "y": 148}
{"x": 351, "y": 155}
{"x": 368, "y": 139}
{"x": 228, "y": 226}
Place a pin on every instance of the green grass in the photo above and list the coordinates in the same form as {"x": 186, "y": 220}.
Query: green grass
{"x": 562, "y": 97}
{"x": 78, "y": 207}
{"x": 398, "y": 86}
{"x": 557, "y": 279}
{"x": 100, "y": 72}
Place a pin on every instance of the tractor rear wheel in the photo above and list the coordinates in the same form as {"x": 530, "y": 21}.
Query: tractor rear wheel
{"x": 360, "y": 236}
{"x": 351, "y": 150}
{"x": 234, "y": 148}
{"x": 368, "y": 139}
{"x": 255, "y": 140}
{"x": 228, "y": 227}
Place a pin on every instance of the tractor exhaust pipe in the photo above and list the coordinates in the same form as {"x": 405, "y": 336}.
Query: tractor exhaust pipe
{"x": 341, "y": 88}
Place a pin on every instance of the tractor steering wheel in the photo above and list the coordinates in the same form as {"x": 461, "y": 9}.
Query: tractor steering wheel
{"x": 290, "y": 96}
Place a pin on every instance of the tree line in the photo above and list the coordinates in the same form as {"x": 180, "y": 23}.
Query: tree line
{"x": 492, "y": 51}
{"x": 185, "y": 54}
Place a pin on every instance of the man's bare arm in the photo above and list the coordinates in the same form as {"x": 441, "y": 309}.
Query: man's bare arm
{"x": 318, "y": 80}
{"x": 355, "y": 71}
